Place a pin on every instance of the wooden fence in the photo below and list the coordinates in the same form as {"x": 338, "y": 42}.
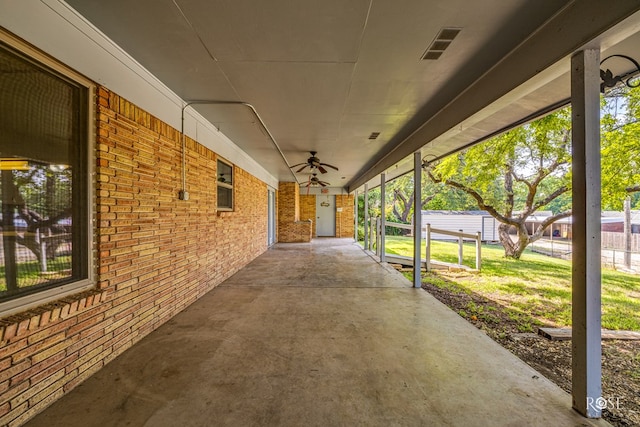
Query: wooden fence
{"x": 611, "y": 240}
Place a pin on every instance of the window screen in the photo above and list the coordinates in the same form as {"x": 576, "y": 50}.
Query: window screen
{"x": 43, "y": 177}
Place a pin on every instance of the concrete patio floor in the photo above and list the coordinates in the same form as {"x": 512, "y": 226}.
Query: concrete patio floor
{"x": 315, "y": 334}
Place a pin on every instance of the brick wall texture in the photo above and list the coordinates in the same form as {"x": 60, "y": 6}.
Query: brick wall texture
{"x": 345, "y": 220}
{"x": 155, "y": 256}
{"x": 308, "y": 210}
{"x": 290, "y": 227}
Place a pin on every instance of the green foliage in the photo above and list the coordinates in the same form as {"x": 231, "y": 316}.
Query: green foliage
{"x": 620, "y": 138}
{"x": 399, "y": 198}
{"x": 451, "y": 199}
{"x": 373, "y": 197}
{"x": 44, "y": 191}
{"x": 504, "y": 166}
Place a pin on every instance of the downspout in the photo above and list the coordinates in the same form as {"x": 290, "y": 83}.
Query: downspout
{"x": 183, "y": 194}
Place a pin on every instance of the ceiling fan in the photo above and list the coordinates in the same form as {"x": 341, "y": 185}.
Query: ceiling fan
{"x": 315, "y": 181}
{"x": 314, "y": 163}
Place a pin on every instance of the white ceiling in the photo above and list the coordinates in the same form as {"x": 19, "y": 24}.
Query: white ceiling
{"x": 324, "y": 75}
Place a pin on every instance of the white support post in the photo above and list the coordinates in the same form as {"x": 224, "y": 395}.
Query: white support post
{"x": 40, "y": 237}
{"x": 428, "y": 248}
{"x": 479, "y": 251}
{"x": 372, "y": 227}
{"x": 382, "y": 215}
{"x": 374, "y": 232}
{"x": 586, "y": 366}
{"x": 355, "y": 216}
{"x": 627, "y": 234}
{"x": 460, "y": 248}
{"x": 417, "y": 219}
{"x": 366, "y": 217}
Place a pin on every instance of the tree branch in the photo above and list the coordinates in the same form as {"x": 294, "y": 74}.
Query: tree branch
{"x": 477, "y": 196}
{"x": 633, "y": 189}
{"x": 547, "y": 222}
{"x": 427, "y": 200}
{"x": 550, "y": 198}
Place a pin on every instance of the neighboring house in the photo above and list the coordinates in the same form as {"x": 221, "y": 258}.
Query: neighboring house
{"x": 614, "y": 222}
{"x": 611, "y": 222}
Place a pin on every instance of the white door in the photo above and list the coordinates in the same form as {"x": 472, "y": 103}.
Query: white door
{"x": 325, "y": 215}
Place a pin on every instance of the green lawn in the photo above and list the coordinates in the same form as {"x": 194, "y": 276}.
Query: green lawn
{"x": 28, "y": 273}
{"x": 535, "y": 285}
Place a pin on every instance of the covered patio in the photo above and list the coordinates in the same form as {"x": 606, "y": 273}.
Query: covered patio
{"x": 315, "y": 333}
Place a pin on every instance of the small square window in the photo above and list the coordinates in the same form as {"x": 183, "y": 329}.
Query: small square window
{"x": 225, "y": 186}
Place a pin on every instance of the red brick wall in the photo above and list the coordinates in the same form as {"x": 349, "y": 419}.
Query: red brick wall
{"x": 155, "y": 256}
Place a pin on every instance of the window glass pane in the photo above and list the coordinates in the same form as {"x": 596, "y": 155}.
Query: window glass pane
{"x": 225, "y": 197}
{"x": 42, "y": 161}
{"x": 225, "y": 173}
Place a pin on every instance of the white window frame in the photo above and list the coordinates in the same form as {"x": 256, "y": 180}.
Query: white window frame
{"x": 35, "y": 299}
{"x": 225, "y": 185}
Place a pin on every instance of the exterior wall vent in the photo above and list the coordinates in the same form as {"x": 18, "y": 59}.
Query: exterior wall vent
{"x": 440, "y": 43}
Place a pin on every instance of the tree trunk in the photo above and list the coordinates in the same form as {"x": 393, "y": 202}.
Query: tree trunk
{"x": 513, "y": 249}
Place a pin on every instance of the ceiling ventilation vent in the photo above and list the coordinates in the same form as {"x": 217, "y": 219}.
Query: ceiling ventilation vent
{"x": 374, "y": 135}
{"x": 440, "y": 43}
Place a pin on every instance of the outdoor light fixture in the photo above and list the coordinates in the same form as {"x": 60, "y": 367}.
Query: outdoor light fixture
{"x": 428, "y": 160}
{"x": 609, "y": 80}
{"x": 58, "y": 168}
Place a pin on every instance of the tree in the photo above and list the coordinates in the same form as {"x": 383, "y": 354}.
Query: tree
{"x": 434, "y": 196}
{"x": 514, "y": 175}
{"x": 620, "y": 140}
{"x": 402, "y": 194}
{"x": 41, "y": 198}
{"x": 373, "y": 201}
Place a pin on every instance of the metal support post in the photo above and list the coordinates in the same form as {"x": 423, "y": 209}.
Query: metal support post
{"x": 460, "y": 248}
{"x": 366, "y": 216}
{"x": 427, "y": 259}
{"x": 586, "y": 366}
{"x": 382, "y": 216}
{"x": 479, "y": 251}
{"x": 627, "y": 234}
{"x": 417, "y": 219}
{"x": 355, "y": 216}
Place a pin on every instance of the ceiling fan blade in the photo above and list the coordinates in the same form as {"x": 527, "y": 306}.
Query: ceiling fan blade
{"x": 322, "y": 183}
{"x": 295, "y": 166}
{"x": 321, "y": 169}
{"x": 300, "y": 170}
{"x": 329, "y": 166}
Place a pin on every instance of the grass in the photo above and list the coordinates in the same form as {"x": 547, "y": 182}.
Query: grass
{"x": 28, "y": 273}
{"x": 535, "y": 285}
